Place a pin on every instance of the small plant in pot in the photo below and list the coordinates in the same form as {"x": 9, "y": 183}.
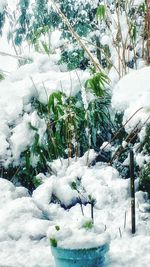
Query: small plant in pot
{"x": 81, "y": 243}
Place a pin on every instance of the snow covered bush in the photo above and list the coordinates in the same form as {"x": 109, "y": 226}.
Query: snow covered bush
{"x": 121, "y": 29}
{"x": 101, "y": 26}
{"x": 62, "y": 117}
{"x": 145, "y": 178}
{"x": 145, "y": 173}
{"x": 70, "y": 130}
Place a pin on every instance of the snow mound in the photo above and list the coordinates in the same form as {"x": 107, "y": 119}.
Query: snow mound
{"x": 37, "y": 79}
{"x": 23, "y": 229}
{"x": 27, "y": 221}
{"x": 132, "y": 93}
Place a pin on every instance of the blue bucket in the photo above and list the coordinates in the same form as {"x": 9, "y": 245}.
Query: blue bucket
{"x": 92, "y": 257}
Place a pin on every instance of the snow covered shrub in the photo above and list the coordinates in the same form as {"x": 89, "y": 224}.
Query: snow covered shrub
{"x": 71, "y": 129}
{"x": 145, "y": 150}
{"x": 121, "y": 28}
{"x": 23, "y": 21}
{"x": 74, "y": 59}
{"x": 113, "y": 32}
{"x": 81, "y": 15}
{"x": 145, "y": 179}
{"x": 145, "y": 146}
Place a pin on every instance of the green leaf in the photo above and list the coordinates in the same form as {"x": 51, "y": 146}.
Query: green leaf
{"x": 91, "y": 199}
{"x": 74, "y": 185}
{"x": 88, "y": 225}
{"x": 46, "y": 48}
{"x": 32, "y": 127}
{"x": 1, "y": 77}
{"x": 53, "y": 242}
{"x": 133, "y": 33}
{"x": 57, "y": 227}
{"x": 37, "y": 181}
{"x": 97, "y": 84}
{"x": 27, "y": 159}
{"x": 101, "y": 12}
{"x": 54, "y": 99}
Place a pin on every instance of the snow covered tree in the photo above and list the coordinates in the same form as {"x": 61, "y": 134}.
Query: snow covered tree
{"x": 81, "y": 15}
{"x": 23, "y": 21}
{"x": 40, "y": 18}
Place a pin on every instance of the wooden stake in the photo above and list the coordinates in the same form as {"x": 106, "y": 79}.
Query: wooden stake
{"x": 92, "y": 211}
{"x": 132, "y": 188}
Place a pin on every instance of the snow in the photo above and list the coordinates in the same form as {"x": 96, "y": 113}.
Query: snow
{"x": 22, "y": 227}
{"x": 68, "y": 236}
{"x": 28, "y": 221}
{"x": 133, "y": 88}
{"x": 3, "y": 3}
{"x": 37, "y": 79}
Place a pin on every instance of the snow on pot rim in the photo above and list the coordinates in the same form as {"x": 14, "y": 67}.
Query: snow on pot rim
{"x": 79, "y": 246}
{"x": 78, "y": 236}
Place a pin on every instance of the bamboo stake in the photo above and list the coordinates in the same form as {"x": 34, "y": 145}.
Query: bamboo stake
{"x": 132, "y": 188}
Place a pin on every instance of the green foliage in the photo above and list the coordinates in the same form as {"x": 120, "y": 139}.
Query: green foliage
{"x": 88, "y": 225}
{"x": 91, "y": 200}
{"x": 45, "y": 47}
{"x": 74, "y": 186}
{"x": 57, "y": 227}
{"x": 1, "y": 77}
{"x": 145, "y": 175}
{"x": 2, "y": 19}
{"x": 23, "y": 22}
{"x": 73, "y": 59}
{"x": 37, "y": 181}
{"x": 101, "y": 12}
{"x": 79, "y": 14}
{"x": 65, "y": 133}
{"x": 133, "y": 32}
{"x": 97, "y": 84}
{"x": 53, "y": 242}
{"x": 145, "y": 179}
{"x": 146, "y": 141}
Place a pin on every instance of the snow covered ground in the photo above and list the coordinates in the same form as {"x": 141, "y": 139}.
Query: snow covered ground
{"x": 132, "y": 93}
{"x": 25, "y": 220}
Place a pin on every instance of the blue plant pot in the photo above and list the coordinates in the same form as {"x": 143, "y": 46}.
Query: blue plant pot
{"x": 93, "y": 257}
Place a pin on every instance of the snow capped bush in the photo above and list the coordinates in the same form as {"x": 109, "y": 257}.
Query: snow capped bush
{"x": 47, "y": 119}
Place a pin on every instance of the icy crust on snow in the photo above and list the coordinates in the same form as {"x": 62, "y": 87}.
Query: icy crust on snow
{"x": 131, "y": 93}
{"x": 35, "y": 80}
{"x": 28, "y": 222}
